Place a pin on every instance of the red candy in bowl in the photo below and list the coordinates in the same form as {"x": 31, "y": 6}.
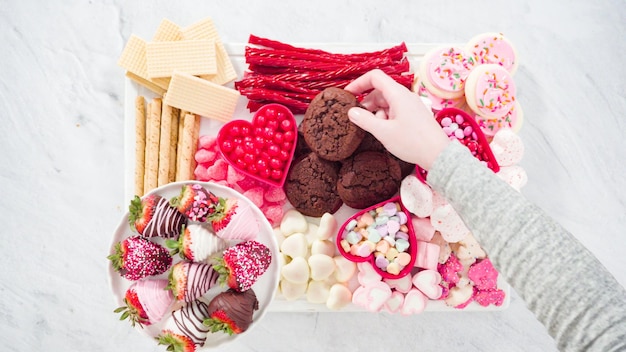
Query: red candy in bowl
{"x": 383, "y": 235}
{"x": 263, "y": 148}
{"x": 457, "y": 124}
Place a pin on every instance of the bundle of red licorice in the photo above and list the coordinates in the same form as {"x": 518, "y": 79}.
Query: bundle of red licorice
{"x": 292, "y": 76}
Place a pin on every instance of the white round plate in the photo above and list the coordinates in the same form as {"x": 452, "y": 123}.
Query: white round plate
{"x": 265, "y": 288}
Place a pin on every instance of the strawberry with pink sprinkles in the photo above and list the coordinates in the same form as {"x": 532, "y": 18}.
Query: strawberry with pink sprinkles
{"x": 242, "y": 264}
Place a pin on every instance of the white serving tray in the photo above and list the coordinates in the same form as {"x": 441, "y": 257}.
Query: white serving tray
{"x": 236, "y": 51}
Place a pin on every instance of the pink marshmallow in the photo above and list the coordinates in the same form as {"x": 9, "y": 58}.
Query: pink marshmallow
{"x": 373, "y": 296}
{"x": 423, "y": 229}
{"x": 414, "y": 302}
{"x": 427, "y": 255}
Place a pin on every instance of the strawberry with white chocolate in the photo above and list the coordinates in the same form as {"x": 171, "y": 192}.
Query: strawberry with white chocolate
{"x": 136, "y": 257}
{"x": 153, "y": 216}
{"x": 196, "y": 243}
{"x": 231, "y": 312}
{"x": 190, "y": 281}
{"x": 233, "y": 219}
{"x": 184, "y": 331}
{"x": 195, "y": 202}
{"x": 146, "y": 302}
{"x": 242, "y": 264}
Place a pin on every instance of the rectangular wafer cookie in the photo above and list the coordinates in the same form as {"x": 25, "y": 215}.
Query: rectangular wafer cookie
{"x": 201, "y": 97}
{"x": 167, "y": 31}
{"x": 195, "y": 57}
{"x": 133, "y": 60}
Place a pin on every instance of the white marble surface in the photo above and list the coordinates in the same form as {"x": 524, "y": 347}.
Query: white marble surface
{"x": 62, "y": 174}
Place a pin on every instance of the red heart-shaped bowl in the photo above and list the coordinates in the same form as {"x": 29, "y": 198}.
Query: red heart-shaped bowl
{"x": 263, "y": 148}
{"x": 349, "y": 243}
{"x": 454, "y": 120}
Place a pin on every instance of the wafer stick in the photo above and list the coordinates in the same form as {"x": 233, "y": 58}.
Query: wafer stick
{"x": 140, "y": 143}
{"x": 194, "y": 145}
{"x": 153, "y": 131}
{"x": 179, "y": 146}
{"x": 173, "y": 145}
{"x": 164, "y": 145}
{"x": 187, "y": 144}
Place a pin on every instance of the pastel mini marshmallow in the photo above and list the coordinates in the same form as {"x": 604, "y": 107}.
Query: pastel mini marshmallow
{"x": 339, "y": 296}
{"x": 372, "y": 297}
{"x": 295, "y": 246}
{"x": 367, "y": 275}
{"x": 403, "y": 284}
{"x": 507, "y": 147}
{"x": 513, "y": 175}
{"x": 414, "y": 302}
{"x": 327, "y": 227}
{"x": 446, "y": 220}
{"x": 317, "y": 292}
{"x": 296, "y": 271}
{"x": 416, "y": 196}
{"x": 325, "y": 247}
{"x": 427, "y": 281}
{"x": 321, "y": 266}
{"x": 344, "y": 268}
{"x": 427, "y": 256}
{"x": 423, "y": 228}
{"x": 292, "y": 291}
{"x": 394, "y": 303}
{"x": 293, "y": 222}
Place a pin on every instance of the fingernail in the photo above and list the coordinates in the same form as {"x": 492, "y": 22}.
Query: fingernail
{"x": 354, "y": 113}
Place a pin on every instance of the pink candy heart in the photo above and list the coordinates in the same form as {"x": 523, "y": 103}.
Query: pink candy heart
{"x": 427, "y": 281}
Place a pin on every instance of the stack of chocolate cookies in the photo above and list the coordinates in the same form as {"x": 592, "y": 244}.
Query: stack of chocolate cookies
{"x": 337, "y": 162}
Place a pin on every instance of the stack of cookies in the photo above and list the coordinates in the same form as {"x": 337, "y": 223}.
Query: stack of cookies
{"x": 337, "y": 162}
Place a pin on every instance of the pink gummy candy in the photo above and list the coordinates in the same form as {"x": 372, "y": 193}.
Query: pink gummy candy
{"x": 204, "y": 156}
{"x": 274, "y": 194}
{"x": 233, "y": 176}
{"x": 450, "y": 269}
{"x": 207, "y": 142}
{"x": 487, "y": 297}
{"x": 200, "y": 173}
{"x": 255, "y": 195}
{"x": 483, "y": 275}
{"x": 273, "y": 213}
{"x": 218, "y": 170}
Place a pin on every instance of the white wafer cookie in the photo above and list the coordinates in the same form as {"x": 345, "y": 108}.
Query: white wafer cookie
{"x": 205, "y": 29}
{"x": 196, "y": 57}
{"x": 133, "y": 60}
{"x": 167, "y": 31}
{"x": 201, "y": 97}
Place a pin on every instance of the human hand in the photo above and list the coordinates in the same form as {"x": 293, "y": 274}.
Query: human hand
{"x": 398, "y": 118}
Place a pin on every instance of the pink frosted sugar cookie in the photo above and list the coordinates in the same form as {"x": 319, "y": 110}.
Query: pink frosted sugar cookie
{"x": 493, "y": 48}
{"x": 436, "y": 103}
{"x": 487, "y": 297}
{"x": 490, "y": 91}
{"x": 513, "y": 120}
{"x": 444, "y": 71}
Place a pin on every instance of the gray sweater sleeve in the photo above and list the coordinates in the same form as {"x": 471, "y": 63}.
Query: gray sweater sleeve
{"x": 570, "y": 292}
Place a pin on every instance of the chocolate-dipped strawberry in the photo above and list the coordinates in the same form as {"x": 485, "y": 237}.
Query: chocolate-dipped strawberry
{"x": 242, "y": 264}
{"x": 190, "y": 281}
{"x": 195, "y": 202}
{"x": 231, "y": 312}
{"x": 136, "y": 257}
{"x": 196, "y": 243}
{"x": 152, "y": 216}
{"x": 146, "y": 302}
{"x": 184, "y": 330}
{"x": 234, "y": 219}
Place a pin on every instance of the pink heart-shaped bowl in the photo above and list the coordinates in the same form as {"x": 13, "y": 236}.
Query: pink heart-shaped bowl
{"x": 368, "y": 229}
{"x": 461, "y": 126}
{"x": 263, "y": 148}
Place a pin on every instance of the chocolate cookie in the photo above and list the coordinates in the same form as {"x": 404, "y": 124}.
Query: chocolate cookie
{"x": 311, "y": 186}
{"x": 326, "y": 127}
{"x": 368, "y": 178}
{"x": 370, "y": 143}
